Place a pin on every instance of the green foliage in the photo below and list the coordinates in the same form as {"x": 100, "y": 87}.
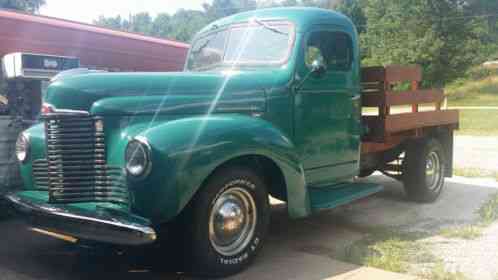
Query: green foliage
{"x": 468, "y": 232}
{"x": 434, "y": 34}
{"x": 223, "y": 8}
{"x": 180, "y": 26}
{"x": 446, "y": 37}
{"x": 389, "y": 249}
{"x": 489, "y": 210}
{"x": 184, "y": 24}
{"x": 475, "y": 172}
{"x": 354, "y": 9}
{"x": 479, "y": 87}
{"x": 478, "y": 122}
{"x": 22, "y": 5}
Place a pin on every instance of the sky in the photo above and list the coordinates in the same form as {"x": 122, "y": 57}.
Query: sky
{"x": 88, "y": 10}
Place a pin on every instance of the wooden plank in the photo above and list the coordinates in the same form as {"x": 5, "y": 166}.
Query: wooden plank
{"x": 375, "y": 125}
{"x": 369, "y": 147}
{"x": 373, "y": 99}
{"x": 373, "y": 74}
{"x": 414, "y": 97}
{"x": 391, "y": 74}
{"x": 414, "y": 88}
{"x": 397, "y": 73}
{"x": 390, "y": 98}
{"x": 408, "y": 121}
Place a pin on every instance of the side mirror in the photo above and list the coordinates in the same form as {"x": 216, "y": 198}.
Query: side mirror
{"x": 318, "y": 68}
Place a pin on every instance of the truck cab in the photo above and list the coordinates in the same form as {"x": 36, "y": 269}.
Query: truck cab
{"x": 269, "y": 103}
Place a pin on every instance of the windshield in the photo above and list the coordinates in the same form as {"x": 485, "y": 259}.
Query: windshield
{"x": 257, "y": 42}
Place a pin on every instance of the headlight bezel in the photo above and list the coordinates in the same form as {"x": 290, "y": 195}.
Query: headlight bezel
{"x": 27, "y": 144}
{"x": 146, "y": 153}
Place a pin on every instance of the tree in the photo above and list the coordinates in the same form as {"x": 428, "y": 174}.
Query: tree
{"x": 141, "y": 23}
{"x": 163, "y": 26}
{"x": 432, "y": 33}
{"x": 112, "y": 22}
{"x": 186, "y": 24}
{"x": 354, "y": 9}
{"x": 223, "y": 8}
{"x": 487, "y": 11}
{"x": 32, "y": 6}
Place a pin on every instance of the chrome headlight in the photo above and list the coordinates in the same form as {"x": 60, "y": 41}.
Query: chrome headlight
{"x": 22, "y": 147}
{"x": 137, "y": 157}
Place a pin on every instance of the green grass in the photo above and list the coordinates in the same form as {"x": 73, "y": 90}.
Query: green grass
{"x": 475, "y": 172}
{"x": 389, "y": 250}
{"x": 478, "y": 122}
{"x": 474, "y": 92}
{"x": 468, "y": 232}
{"x": 488, "y": 212}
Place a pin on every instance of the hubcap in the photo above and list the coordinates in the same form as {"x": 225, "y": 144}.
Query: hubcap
{"x": 232, "y": 221}
{"x": 433, "y": 171}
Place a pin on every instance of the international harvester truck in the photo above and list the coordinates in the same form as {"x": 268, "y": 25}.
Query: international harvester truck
{"x": 269, "y": 103}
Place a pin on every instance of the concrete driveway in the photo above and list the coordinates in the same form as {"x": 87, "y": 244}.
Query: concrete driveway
{"x": 476, "y": 152}
{"x": 296, "y": 249}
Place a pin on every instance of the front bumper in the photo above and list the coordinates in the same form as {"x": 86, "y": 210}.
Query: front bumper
{"x": 99, "y": 224}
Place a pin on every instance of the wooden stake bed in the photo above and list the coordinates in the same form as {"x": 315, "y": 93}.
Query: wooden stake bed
{"x": 389, "y": 126}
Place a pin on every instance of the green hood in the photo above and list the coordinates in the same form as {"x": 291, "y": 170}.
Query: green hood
{"x": 165, "y": 93}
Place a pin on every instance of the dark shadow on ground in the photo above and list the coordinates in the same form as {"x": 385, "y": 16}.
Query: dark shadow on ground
{"x": 301, "y": 249}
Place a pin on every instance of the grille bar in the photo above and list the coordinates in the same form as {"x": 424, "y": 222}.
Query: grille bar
{"x": 76, "y": 169}
{"x": 40, "y": 170}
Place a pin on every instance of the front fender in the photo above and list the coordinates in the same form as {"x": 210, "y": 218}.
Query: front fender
{"x": 186, "y": 151}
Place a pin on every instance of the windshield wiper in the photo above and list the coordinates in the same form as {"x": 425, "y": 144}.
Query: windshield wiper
{"x": 267, "y": 26}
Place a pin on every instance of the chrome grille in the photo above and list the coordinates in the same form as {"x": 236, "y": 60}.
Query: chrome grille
{"x": 40, "y": 174}
{"x": 76, "y": 162}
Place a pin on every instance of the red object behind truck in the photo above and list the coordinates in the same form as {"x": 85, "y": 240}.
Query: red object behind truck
{"x": 96, "y": 47}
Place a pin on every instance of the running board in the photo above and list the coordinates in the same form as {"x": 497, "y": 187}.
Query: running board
{"x": 331, "y": 197}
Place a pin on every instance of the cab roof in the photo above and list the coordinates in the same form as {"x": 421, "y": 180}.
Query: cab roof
{"x": 302, "y": 17}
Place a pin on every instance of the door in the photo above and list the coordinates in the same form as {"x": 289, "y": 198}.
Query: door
{"x": 327, "y": 107}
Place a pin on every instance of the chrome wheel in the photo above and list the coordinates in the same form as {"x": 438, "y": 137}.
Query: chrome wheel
{"x": 232, "y": 221}
{"x": 433, "y": 171}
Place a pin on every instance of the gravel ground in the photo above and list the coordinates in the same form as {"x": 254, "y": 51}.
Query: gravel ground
{"x": 477, "y": 258}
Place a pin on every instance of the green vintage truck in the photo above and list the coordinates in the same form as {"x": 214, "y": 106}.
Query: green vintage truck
{"x": 270, "y": 103}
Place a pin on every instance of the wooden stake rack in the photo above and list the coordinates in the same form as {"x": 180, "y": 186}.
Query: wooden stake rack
{"x": 387, "y": 129}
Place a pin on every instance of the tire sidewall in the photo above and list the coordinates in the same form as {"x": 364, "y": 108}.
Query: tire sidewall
{"x": 434, "y": 146}
{"x": 205, "y": 255}
{"x": 415, "y": 173}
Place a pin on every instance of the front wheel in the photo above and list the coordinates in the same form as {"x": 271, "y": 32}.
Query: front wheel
{"x": 424, "y": 170}
{"x": 227, "y": 223}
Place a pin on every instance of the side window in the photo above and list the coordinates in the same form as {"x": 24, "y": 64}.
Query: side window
{"x": 335, "y": 49}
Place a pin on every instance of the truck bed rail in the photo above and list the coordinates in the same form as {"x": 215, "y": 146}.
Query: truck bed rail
{"x": 379, "y": 91}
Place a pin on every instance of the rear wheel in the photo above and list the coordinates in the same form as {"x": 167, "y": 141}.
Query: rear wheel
{"x": 424, "y": 170}
{"x": 227, "y": 222}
